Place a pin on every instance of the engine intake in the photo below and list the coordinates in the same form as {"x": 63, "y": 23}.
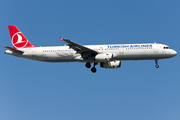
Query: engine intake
{"x": 112, "y": 64}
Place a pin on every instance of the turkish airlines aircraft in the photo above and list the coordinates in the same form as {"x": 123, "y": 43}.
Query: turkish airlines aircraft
{"x": 109, "y": 56}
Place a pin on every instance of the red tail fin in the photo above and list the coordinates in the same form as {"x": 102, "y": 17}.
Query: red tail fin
{"x": 18, "y": 39}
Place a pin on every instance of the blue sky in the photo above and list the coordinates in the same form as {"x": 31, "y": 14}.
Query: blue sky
{"x": 69, "y": 91}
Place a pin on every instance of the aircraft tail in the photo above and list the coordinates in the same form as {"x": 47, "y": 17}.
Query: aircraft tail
{"x": 18, "y": 39}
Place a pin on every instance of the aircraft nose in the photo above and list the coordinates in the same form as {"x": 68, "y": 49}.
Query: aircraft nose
{"x": 174, "y": 53}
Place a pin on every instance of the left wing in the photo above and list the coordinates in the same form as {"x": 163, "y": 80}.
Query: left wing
{"x": 85, "y": 52}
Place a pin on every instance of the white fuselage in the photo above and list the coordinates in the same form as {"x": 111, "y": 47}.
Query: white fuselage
{"x": 146, "y": 51}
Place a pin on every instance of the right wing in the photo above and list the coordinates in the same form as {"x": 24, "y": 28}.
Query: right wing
{"x": 85, "y": 52}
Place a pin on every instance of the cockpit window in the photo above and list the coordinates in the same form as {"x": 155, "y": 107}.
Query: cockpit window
{"x": 167, "y": 48}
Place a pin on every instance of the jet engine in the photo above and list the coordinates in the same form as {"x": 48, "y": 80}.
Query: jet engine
{"x": 104, "y": 57}
{"x": 112, "y": 64}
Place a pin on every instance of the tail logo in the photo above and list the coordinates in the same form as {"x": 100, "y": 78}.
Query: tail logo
{"x": 18, "y": 40}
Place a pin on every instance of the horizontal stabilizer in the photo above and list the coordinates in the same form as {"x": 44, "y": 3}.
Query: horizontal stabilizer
{"x": 13, "y": 50}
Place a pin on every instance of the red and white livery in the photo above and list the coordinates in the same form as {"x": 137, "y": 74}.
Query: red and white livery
{"x": 109, "y": 56}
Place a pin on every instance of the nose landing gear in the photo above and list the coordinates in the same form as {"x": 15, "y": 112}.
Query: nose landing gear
{"x": 157, "y": 66}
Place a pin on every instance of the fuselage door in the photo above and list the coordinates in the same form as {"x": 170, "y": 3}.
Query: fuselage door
{"x": 33, "y": 54}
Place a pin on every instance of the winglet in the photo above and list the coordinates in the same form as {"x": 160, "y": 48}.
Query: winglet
{"x": 61, "y": 38}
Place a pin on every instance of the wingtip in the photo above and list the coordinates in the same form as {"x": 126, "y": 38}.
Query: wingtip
{"x": 61, "y": 38}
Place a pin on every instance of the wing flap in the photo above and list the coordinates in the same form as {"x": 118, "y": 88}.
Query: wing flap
{"x": 85, "y": 52}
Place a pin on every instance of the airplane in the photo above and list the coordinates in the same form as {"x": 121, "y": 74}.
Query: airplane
{"x": 109, "y": 56}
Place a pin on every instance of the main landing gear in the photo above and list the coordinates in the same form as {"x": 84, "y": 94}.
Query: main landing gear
{"x": 157, "y": 66}
{"x": 93, "y": 69}
{"x": 88, "y": 65}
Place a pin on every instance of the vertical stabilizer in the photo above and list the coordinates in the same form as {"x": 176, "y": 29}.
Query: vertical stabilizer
{"x": 18, "y": 39}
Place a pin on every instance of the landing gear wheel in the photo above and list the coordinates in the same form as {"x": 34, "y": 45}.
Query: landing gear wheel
{"x": 157, "y": 66}
{"x": 93, "y": 69}
{"x": 88, "y": 65}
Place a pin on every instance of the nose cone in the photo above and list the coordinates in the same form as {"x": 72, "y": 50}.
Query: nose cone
{"x": 174, "y": 53}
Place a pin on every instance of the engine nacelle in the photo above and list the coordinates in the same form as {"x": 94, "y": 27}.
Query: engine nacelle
{"x": 112, "y": 64}
{"x": 104, "y": 57}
